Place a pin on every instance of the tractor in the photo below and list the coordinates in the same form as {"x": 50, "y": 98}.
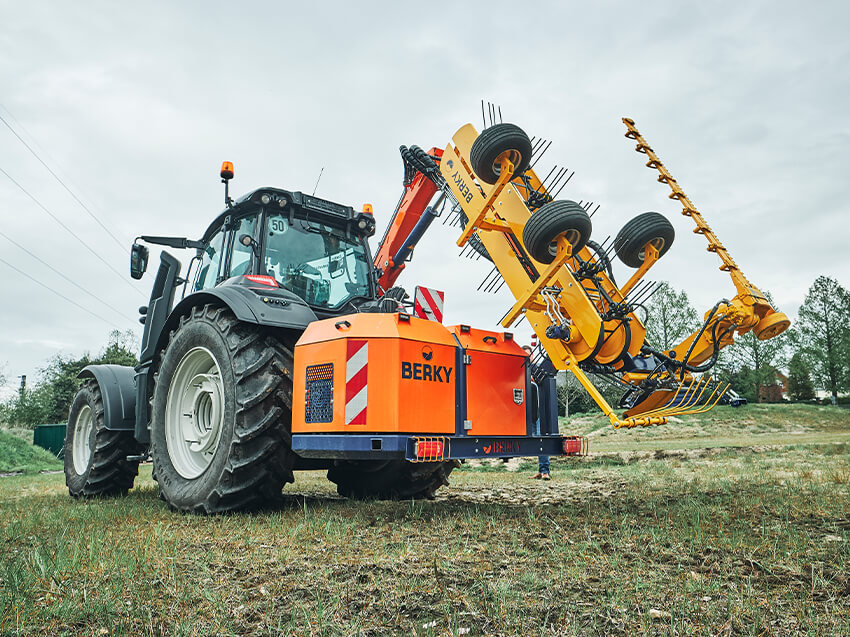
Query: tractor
{"x": 287, "y": 346}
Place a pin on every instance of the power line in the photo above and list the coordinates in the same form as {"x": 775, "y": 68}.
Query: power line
{"x": 74, "y": 283}
{"x": 59, "y": 294}
{"x": 71, "y": 232}
{"x": 57, "y": 178}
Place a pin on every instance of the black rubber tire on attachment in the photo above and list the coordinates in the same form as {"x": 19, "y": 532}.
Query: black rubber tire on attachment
{"x": 494, "y": 141}
{"x": 108, "y": 471}
{"x": 555, "y": 219}
{"x": 390, "y": 479}
{"x": 253, "y": 458}
{"x": 649, "y": 227}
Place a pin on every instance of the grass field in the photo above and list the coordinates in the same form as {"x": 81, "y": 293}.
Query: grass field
{"x": 738, "y": 523}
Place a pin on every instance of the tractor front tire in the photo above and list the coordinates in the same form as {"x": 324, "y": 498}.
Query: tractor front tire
{"x": 556, "y": 219}
{"x": 95, "y": 457}
{"x": 221, "y": 415}
{"x": 495, "y": 142}
{"x": 389, "y": 480}
{"x": 647, "y": 228}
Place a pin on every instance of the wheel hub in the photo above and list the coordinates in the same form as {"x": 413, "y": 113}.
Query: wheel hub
{"x": 194, "y": 413}
{"x": 572, "y": 237}
{"x": 658, "y": 244}
{"x": 511, "y": 155}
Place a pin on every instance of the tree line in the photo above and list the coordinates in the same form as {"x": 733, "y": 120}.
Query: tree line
{"x": 48, "y": 399}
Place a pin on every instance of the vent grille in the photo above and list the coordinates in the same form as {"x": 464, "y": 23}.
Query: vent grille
{"x": 320, "y": 387}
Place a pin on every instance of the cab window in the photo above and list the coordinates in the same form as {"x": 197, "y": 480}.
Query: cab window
{"x": 210, "y": 262}
{"x": 315, "y": 261}
{"x": 240, "y": 255}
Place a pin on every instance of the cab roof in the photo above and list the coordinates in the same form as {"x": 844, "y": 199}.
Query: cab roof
{"x": 296, "y": 203}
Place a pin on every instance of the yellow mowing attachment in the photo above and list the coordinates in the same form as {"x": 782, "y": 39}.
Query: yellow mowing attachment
{"x": 689, "y": 209}
{"x": 751, "y": 307}
{"x": 693, "y": 397}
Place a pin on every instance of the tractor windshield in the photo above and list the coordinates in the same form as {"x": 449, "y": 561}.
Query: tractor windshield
{"x": 315, "y": 261}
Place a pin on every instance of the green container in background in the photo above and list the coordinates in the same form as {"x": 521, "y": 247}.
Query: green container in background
{"x": 50, "y": 437}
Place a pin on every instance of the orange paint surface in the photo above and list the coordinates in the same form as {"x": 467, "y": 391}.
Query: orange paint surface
{"x": 496, "y": 369}
{"x": 410, "y": 379}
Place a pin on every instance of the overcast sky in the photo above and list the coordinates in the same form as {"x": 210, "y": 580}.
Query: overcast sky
{"x": 136, "y": 106}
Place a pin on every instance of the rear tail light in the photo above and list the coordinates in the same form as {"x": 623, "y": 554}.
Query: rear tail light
{"x": 575, "y": 446}
{"x": 430, "y": 449}
{"x": 263, "y": 279}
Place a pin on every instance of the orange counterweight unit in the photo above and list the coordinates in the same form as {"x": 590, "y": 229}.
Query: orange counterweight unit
{"x": 393, "y": 384}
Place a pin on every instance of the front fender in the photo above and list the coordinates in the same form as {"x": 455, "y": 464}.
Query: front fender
{"x": 276, "y": 308}
{"x": 117, "y": 385}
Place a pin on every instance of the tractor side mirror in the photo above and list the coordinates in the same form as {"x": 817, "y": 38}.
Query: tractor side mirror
{"x": 138, "y": 260}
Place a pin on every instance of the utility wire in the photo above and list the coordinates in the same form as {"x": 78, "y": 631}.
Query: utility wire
{"x": 71, "y": 232}
{"x": 59, "y": 294}
{"x": 57, "y": 178}
{"x": 75, "y": 284}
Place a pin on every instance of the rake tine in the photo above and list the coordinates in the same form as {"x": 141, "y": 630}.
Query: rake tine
{"x": 670, "y": 408}
{"x": 637, "y": 296}
{"x": 486, "y": 278}
{"x": 654, "y": 290}
{"x": 493, "y": 283}
{"x": 693, "y": 404}
{"x": 635, "y": 291}
{"x": 556, "y": 180}
{"x": 657, "y": 410}
{"x": 594, "y": 210}
{"x": 564, "y": 184}
{"x": 646, "y": 293}
{"x": 483, "y": 119}
{"x": 500, "y": 115}
{"x": 720, "y": 395}
{"x": 540, "y": 154}
{"x": 651, "y": 289}
{"x": 702, "y": 386}
{"x": 543, "y": 182}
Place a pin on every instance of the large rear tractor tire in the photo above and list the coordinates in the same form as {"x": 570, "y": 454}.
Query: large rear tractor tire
{"x": 554, "y": 220}
{"x": 390, "y": 479}
{"x": 647, "y": 228}
{"x": 496, "y": 142}
{"x": 96, "y": 458}
{"x": 221, "y": 417}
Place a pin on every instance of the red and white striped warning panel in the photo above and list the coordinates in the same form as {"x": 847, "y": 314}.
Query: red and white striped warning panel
{"x": 428, "y": 304}
{"x": 356, "y": 371}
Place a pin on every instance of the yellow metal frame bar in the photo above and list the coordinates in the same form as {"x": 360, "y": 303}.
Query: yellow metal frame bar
{"x": 650, "y": 257}
{"x": 529, "y": 300}
{"x": 481, "y": 222}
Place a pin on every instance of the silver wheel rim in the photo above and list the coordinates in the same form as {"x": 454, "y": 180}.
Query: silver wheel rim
{"x": 194, "y": 413}
{"x": 81, "y": 450}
